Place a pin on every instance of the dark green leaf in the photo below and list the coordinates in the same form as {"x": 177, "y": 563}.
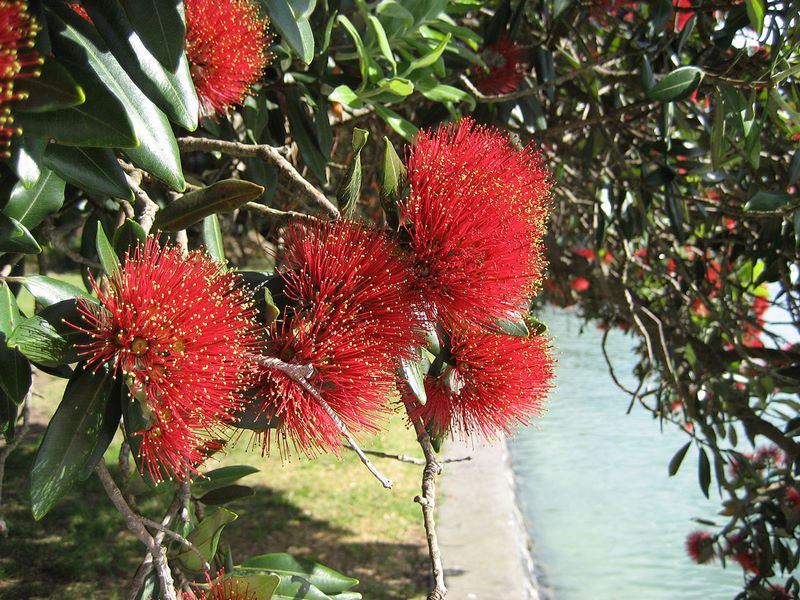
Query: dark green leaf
{"x": 704, "y": 472}
{"x": 295, "y": 587}
{"x": 324, "y": 578}
{"x": 304, "y": 133}
{"x": 127, "y": 236}
{"x": 222, "y": 477}
{"x": 767, "y": 201}
{"x": 383, "y": 41}
{"x": 794, "y": 168}
{"x": 296, "y": 32}
{"x": 396, "y": 122}
{"x": 755, "y": 14}
{"x": 53, "y": 89}
{"x": 212, "y": 238}
{"x": 677, "y": 459}
{"x": 108, "y": 258}
{"x": 161, "y": 26}
{"x": 40, "y": 342}
{"x": 15, "y": 370}
{"x": 718, "y": 133}
{"x": 157, "y": 152}
{"x": 48, "y": 291}
{"x": 677, "y": 85}
{"x": 648, "y": 81}
{"x": 226, "y": 494}
{"x": 14, "y": 237}
{"x": 439, "y": 92}
{"x": 223, "y": 196}
{"x": 428, "y": 59}
{"x": 92, "y": 169}
{"x": 350, "y": 186}
{"x": 32, "y": 206}
{"x": 69, "y": 443}
{"x": 796, "y": 223}
{"x": 8, "y": 416}
{"x": 205, "y": 538}
{"x": 361, "y": 50}
{"x": 170, "y": 88}
{"x": 10, "y": 315}
{"x": 26, "y": 156}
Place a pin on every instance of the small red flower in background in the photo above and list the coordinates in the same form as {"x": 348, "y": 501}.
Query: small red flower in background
{"x": 17, "y": 60}
{"x": 586, "y": 253}
{"x": 474, "y": 222}
{"x": 580, "y": 284}
{"x": 742, "y": 554}
{"x": 698, "y": 546}
{"x": 226, "y": 42}
{"x": 491, "y": 383}
{"x": 222, "y": 588}
{"x": 793, "y": 497}
{"x": 700, "y": 308}
{"x": 682, "y": 16}
{"x": 351, "y": 320}
{"x": 778, "y": 592}
{"x": 506, "y": 66}
{"x": 180, "y": 330}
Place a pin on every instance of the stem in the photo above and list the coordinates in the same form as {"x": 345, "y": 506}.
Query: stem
{"x": 407, "y": 459}
{"x": 136, "y": 524}
{"x": 9, "y": 448}
{"x": 302, "y": 374}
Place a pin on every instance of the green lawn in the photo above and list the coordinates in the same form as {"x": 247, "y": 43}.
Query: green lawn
{"x": 329, "y": 509}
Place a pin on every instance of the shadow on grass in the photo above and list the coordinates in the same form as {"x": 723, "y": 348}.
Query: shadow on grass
{"x": 81, "y": 550}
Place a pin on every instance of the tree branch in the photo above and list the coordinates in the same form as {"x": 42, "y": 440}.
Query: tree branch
{"x": 19, "y": 434}
{"x": 407, "y": 459}
{"x": 265, "y": 153}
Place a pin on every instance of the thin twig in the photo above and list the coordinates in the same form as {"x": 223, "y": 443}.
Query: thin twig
{"x": 19, "y": 434}
{"x": 281, "y": 215}
{"x": 265, "y": 153}
{"x": 407, "y": 459}
{"x": 136, "y": 525}
{"x": 302, "y": 374}
{"x": 178, "y": 538}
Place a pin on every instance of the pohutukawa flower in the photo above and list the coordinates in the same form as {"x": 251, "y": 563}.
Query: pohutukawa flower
{"x": 17, "y": 60}
{"x": 222, "y": 588}
{"x": 490, "y": 383}
{"x": 474, "y": 218}
{"x": 699, "y": 546}
{"x": 226, "y": 45}
{"x": 350, "y": 322}
{"x": 182, "y": 331}
{"x": 506, "y": 65}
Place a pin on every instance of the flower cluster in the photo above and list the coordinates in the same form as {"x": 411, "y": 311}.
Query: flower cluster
{"x": 505, "y": 62}
{"x": 226, "y": 45}
{"x": 180, "y": 330}
{"x": 17, "y": 60}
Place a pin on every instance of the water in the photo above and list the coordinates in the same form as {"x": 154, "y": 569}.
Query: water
{"x": 606, "y": 520}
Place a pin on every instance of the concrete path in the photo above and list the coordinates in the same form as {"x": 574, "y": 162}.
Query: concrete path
{"x": 483, "y": 541}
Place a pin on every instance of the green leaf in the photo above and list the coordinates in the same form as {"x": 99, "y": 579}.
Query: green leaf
{"x": 794, "y": 168}
{"x": 226, "y": 494}
{"x": 514, "y": 328}
{"x": 40, "y": 342}
{"x": 677, "y": 459}
{"x": 394, "y": 181}
{"x": 428, "y": 59}
{"x": 261, "y": 586}
{"x": 223, "y": 196}
{"x": 399, "y": 86}
{"x": 439, "y": 92}
{"x": 171, "y": 89}
{"x": 755, "y": 14}
{"x": 221, "y": 477}
{"x": 161, "y": 26}
{"x": 53, "y": 89}
{"x": 31, "y": 206}
{"x": 8, "y": 417}
{"x": 648, "y": 80}
{"x": 324, "y": 578}
{"x": 704, "y": 472}
{"x": 296, "y": 32}
{"x": 212, "y": 238}
{"x": 718, "y": 133}
{"x": 157, "y": 152}
{"x": 48, "y": 291}
{"x": 414, "y": 374}
{"x": 767, "y": 201}
{"x": 396, "y": 122}
{"x": 344, "y": 95}
{"x": 68, "y": 447}
{"x": 361, "y": 50}
{"x": 304, "y": 132}
{"x": 14, "y": 237}
{"x": 127, "y": 236}
{"x": 383, "y": 41}
{"x": 15, "y": 370}
{"x": 205, "y": 538}
{"x": 297, "y": 588}
{"x": 26, "y": 156}
{"x": 350, "y": 187}
{"x": 108, "y": 258}
{"x": 92, "y": 169}
{"x": 677, "y": 85}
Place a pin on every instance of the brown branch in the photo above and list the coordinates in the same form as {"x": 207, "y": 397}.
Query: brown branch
{"x": 19, "y": 434}
{"x": 265, "y": 153}
{"x": 281, "y": 215}
{"x": 407, "y": 459}
{"x": 178, "y": 538}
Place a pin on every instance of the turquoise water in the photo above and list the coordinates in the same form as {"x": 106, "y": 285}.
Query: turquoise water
{"x": 607, "y": 522}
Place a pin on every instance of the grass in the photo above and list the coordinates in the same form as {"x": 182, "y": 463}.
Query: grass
{"x": 328, "y": 509}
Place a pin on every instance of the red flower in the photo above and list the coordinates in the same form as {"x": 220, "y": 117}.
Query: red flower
{"x": 474, "y": 221}
{"x": 683, "y": 16}
{"x": 17, "y": 32}
{"x": 180, "y": 330}
{"x": 506, "y": 65}
{"x": 793, "y": 498}
{"x": 742, "y": 554}
{"x": 226, "y": 43}
{"x": 351, "y": 320}
{"x": 769, "y": 456}
{"x": 586, "y": 253}
{"x": 579, "y": 284}
{"x": 700, "y": 309}
{"x": 698, "y": 546}
{"x": 222, "y": 588}
{"x": 778, "y": 592}
{"x": 490, "y": 383}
